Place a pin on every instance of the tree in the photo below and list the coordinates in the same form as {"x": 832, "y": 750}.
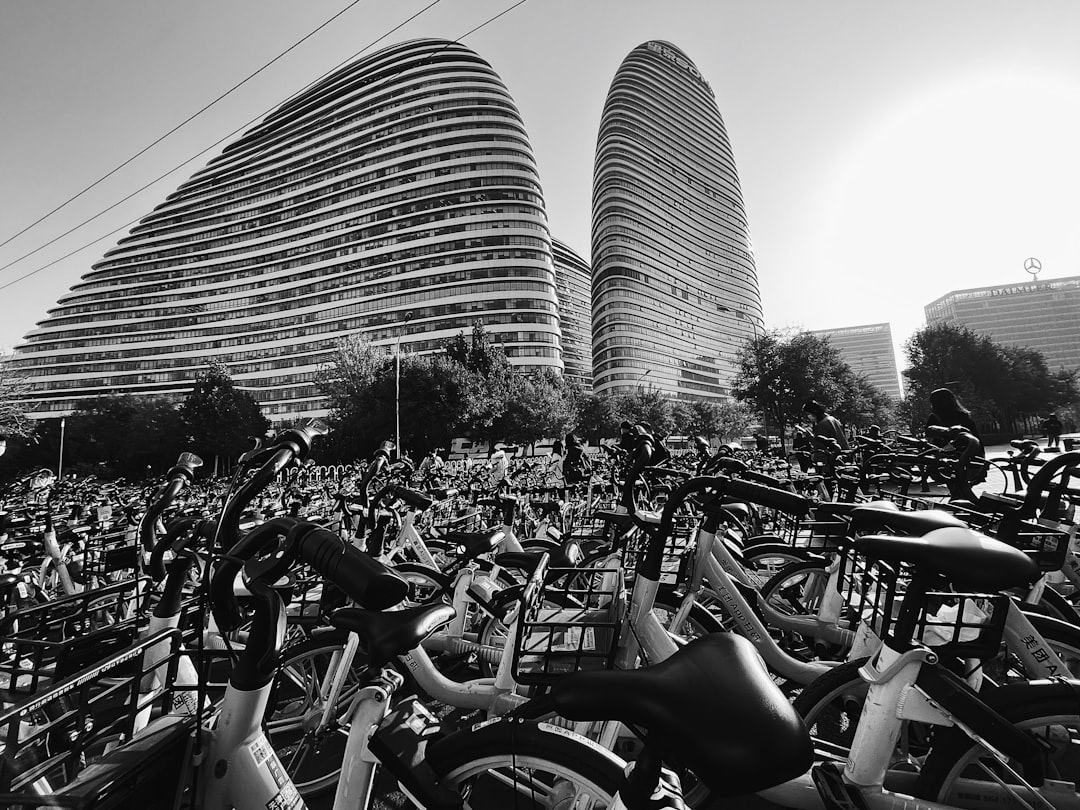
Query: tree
{"x": 712, "y": 419}
{"x": 777, "y": 375}
{"x": 110, "y": 436}
{"x": 596, "y": 416}
{"x": 538, "y": 405}
{"x": 440, "y": 399}
{"x": 649, "y": 405}
{"x": 14, "y": 388}
{"x": 1003, "y": 386}
{"x": 220, "y": 419}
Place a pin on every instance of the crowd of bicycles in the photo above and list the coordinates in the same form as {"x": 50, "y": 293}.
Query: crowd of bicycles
{"x": 890, "y": 626}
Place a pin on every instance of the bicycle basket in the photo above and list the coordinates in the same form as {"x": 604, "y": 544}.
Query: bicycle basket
{"x": 55, "y": 734}
{"x": 964, "y": 625}
{"x": 678, "y": 551}
{"x": 569, "y": 620}
{"x": 1045, "y": 541}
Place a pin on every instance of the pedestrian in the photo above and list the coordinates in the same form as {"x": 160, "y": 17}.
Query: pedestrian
{"x": 1053, "y": 431}
{"x": 946, "y": 411}
{"x": 826, "y": 426}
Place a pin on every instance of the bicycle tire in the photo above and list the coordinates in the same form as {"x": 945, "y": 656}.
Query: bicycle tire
{"x": 830, "y": 705}
{"x": 699, "y": 622}
{"x": 1046, "y": 708}
{"x": 541, "y": 765}
{"x": 295, "y": 699}
{"x": 786, "y": 593}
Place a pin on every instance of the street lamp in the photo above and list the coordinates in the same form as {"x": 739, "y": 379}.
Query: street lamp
{"x": 60, "y": 461}
{"x": 397, "y": 385}
{"x": 642, "y": 377}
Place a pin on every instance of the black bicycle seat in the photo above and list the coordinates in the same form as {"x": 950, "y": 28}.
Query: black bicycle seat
{"x": 712, "y": 706}
{"x": 387, "y": 635}
{"x": 968, "y": 559}
{"x": 880, "y": 519}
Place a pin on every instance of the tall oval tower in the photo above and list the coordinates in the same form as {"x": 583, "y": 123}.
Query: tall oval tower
{"x": 398, "y": 197}
{"x": 573, "y": 278}
{"x": 675, "y": 292}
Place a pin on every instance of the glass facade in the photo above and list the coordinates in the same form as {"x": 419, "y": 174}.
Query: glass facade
{"x": 674, "y": 287}
{"x": 401, "y": 185}
{"x": 1042, "y": 315}
{"x": 573, "y": 278}
{"x": 869, "y": 351}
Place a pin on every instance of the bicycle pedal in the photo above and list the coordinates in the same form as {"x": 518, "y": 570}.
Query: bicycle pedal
{"x": 835, "y": 793}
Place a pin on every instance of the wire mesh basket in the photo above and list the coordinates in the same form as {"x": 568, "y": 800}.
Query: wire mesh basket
{"x": 81, "y": 613}
{"x": 111, "y": 553}
{"x": 56, "y": 733}
{"x": 678, "y": 551}
{"x": 1045, "y": 541}
{"x": 809, "y": 532}
{"x": 569, "y": 620}
{"x": 965, "y": 625}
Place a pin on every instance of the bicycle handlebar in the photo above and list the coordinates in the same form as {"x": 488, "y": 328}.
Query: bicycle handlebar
{"x": 362, "y": 578}
{"x": 649, "y": 564}
{"x": 182, "y": 474}
{"x": 294, "y": 443}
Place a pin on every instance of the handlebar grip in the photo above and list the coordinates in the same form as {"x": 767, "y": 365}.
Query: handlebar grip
{"x": 363, "y": 578}
{"x": 770, "y": 497}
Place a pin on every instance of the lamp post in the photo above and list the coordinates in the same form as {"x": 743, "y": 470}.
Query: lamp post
{"x": 397, "y": 385}
{"x": 60, "y": 461}
{"x": 642, "y": 377}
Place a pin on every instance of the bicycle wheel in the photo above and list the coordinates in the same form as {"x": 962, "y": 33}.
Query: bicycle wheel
{"x": 962, "y": 773}
{"x": 510, "y": 763}
{"x": 830, "y": 706}
{"x": 699, "y": 622}
{"x": 311, "y": 755}
{"x": 799, "y": 590}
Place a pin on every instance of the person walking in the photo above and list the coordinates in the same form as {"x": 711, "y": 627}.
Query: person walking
{"x": 1053, "y": 431}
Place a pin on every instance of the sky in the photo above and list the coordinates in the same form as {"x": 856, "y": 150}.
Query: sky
{"x": 889, "y": 153}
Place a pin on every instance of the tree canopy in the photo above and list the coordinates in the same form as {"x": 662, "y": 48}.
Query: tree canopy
{"x": 218, "y": 417}
{"x": 1000, "y": 385}
{"x": 777, "y": 374}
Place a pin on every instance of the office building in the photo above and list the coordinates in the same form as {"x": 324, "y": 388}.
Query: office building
{"x": 1042, "y": 315}
{"x": 573, "y": 280}
{"x": 397, "y": 196}
{"x": 869, "y": 351}
{"x": 675, "y": 291}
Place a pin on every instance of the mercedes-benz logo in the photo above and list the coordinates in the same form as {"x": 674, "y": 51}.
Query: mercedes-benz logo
{"x": 1033, "y": 266}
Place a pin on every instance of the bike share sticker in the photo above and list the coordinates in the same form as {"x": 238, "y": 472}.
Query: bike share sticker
{"x": 287, "y": 797}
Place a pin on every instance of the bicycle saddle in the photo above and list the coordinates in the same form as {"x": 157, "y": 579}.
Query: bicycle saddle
{"x": 968, "y": 559}
{"x": 879, "y": 519}
{"x": 712, "y": 706}
{"x": 566, "y": 556}
{"x": 475, "y": 543}
{"x": 842, "y": 509}
{"x": 388, "y": 635}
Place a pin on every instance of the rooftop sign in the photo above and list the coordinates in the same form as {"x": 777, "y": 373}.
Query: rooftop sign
{"x": 680, "y": 60}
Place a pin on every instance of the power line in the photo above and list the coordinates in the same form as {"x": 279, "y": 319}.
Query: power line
{"x": 186, "y": 121}
{"x": 310, "y": 84}
{"x": 194, "y": 157}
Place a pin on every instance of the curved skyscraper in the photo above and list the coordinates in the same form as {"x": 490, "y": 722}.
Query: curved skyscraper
{"x": 574, "y": 279}
{"x": 675, "y": 292}
{"x": 398, "y": 195}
